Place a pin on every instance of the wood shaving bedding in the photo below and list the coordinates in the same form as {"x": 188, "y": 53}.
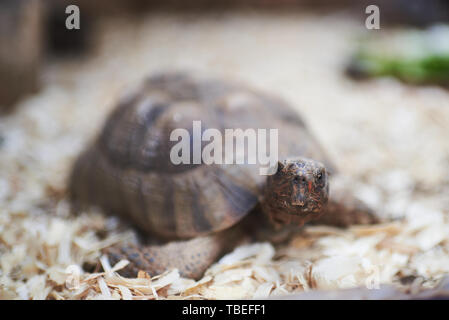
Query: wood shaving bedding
{"x": 390, "y": 139}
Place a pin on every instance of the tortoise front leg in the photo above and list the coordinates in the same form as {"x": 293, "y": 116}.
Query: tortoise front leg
{"x": 344, "y": 209}
{"x": 191, "y": 257}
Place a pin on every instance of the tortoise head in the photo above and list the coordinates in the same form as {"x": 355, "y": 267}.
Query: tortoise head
{"x": 297, "y": 192}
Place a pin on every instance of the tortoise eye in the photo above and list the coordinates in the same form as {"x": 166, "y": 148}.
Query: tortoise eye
{"x": 320, "y": 177}
{"x": 298, "y": 179}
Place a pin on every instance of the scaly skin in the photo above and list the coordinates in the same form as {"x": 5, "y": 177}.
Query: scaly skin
{"x": 191, "y": 257}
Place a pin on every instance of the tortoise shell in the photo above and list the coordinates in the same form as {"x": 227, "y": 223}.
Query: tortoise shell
{"x": 128, "y": 170}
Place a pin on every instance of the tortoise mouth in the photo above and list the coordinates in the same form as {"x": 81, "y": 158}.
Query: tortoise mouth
{"x": 306, "y": 207}
{"x": 298, "y": 202}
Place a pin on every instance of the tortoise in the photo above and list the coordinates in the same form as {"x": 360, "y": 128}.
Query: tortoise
{"x": 192, "y": 213}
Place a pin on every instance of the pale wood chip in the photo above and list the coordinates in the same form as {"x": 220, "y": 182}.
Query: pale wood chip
{"x": 125, "y": 292}
{"x": 166, "y": 279}
{"x": 103, "y": 288}
{"x": 397, "y": 247}
{"x": 119, "y": 265}
{"x": 263, "y": 291}
{"x": 105, "y": 264}
{"x": 391, "y": 229}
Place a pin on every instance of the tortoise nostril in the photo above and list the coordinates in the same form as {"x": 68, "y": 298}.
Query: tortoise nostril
{"x": 299, "y": 179}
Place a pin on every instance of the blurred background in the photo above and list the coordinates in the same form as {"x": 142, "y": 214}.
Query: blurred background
{"x": 33, "y": 33}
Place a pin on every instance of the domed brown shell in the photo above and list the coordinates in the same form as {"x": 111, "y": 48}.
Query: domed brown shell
{"x": 128, "y": 169}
